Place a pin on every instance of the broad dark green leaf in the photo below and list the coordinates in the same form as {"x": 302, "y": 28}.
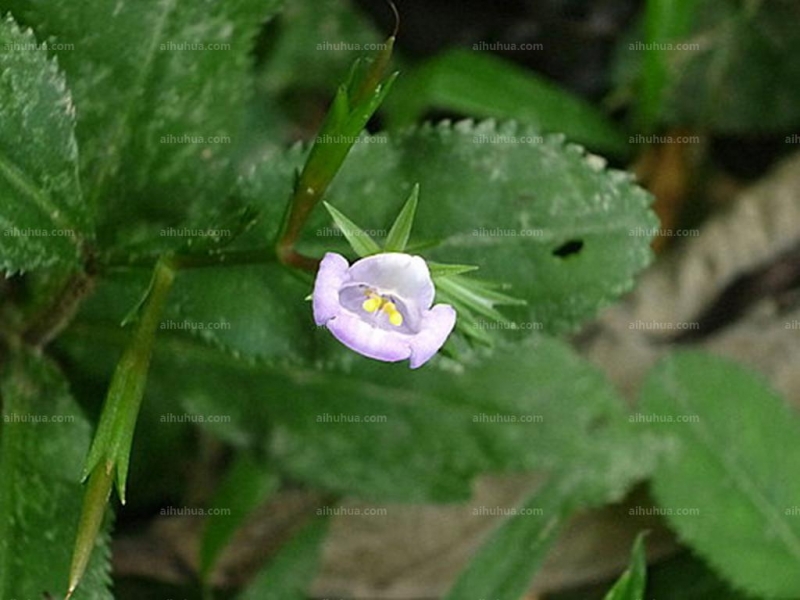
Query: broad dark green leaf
{"x": 43, "y": 443}
{"x": 729, "y": 488}
{"x": 478, "y": 84}
{"x": 160, "y": 88}
{"x": 289, "y": 575}
{"x": 43, "y": 219}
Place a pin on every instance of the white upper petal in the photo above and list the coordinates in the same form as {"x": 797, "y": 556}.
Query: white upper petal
{"x": 397, "y": 273}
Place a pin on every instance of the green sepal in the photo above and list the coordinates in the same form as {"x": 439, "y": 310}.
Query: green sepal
{"x": 398, "y": 236}
{"x": 359, "y": 240}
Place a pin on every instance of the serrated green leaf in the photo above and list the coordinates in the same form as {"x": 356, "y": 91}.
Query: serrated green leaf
{"x": 361, "y": 243}
{"x": 289, "y": 575}
{"x": 43, "y": 441}
{"x": 566, "y": 234}
{"x": 730, "y": 482}
{"x": 478, "y": 84}
{"x": 530, "y": 406}
{"x": 630, "y": 586}
{"x": 160, "y": 88}
{"x": 398, "y": 235}
{"x": 43, "y": 218}
{"x": 246, "y": 485}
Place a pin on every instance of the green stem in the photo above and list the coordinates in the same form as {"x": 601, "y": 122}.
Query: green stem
{"x": 109, "y": 454}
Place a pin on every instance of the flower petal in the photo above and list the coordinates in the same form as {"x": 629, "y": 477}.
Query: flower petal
{"x": 368, "y": 340}
{"x": 436, "y": 326}
{"x": 332, "y": 274}
{"x": 394, "y": 272}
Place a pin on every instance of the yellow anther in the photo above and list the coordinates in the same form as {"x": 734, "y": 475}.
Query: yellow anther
{"x": 395, "y": 318}
{"x": 372, "y": 304}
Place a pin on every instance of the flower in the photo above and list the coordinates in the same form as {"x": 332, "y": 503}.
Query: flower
{"x": 381, "y": 306}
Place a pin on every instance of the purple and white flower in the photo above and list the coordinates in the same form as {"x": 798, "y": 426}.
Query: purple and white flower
{"x": 381, "y": 306}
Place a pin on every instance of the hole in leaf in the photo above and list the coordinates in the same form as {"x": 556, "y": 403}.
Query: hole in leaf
{"x": 568, "y": 248}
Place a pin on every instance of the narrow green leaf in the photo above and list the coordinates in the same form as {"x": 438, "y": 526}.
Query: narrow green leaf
{"x": 43, "y": 218}
{"x": 506, "y": 563}
{"x": 630, "y": 586}
{"x": 477, "y": 84}
{"x": 246, "y": 485}
{"x": 730, "y": 481}
{"x": 665, "y": 22}
{"x": 401, "y": 229}
{"x": 361, "y": 243}
{"x": 43, "y": 441}
{"x": 289, "y": 575}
